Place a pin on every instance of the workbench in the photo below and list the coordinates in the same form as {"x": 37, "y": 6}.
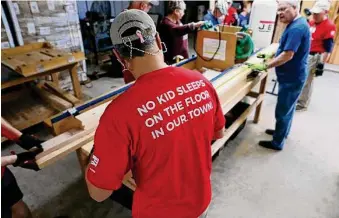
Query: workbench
{"x": 28, "y": 63}
{"x": 77, "y": 127}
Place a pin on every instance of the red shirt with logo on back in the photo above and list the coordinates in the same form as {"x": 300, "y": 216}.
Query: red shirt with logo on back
{"x": 161, "y": 128}
{"x": 320, "y": 32}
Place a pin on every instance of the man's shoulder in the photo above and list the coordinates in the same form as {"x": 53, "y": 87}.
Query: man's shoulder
{"x": 299, "y": 25}
{"x": 329, "y": 24}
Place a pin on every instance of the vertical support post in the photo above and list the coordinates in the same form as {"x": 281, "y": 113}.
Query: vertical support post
{"x": 55, "y": 79}
{"x": 261, "y": 91}
{"x": 75, "y": 81}
{"x": 83, "y": 160}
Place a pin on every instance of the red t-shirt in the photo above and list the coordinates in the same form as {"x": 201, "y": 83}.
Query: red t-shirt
{"x": 230, "y": 17}
{"x": 320, "y": 32}
{"x": 161, "y": 128}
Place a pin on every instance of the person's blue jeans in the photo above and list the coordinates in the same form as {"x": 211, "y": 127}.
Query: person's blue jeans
{"x": 288, "y": 95}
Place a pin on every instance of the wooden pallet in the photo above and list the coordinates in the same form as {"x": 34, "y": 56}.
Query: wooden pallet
{"x": 26, "y": 110}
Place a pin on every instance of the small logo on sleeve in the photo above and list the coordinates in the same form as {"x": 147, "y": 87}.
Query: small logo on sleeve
{"x": 94, "y": 160}
{"x": 332, "y": 33}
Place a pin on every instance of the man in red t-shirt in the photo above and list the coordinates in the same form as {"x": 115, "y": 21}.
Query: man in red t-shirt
{"x": 12, "y": 204}
{"x": 323, "y": 32}
{"x": 232, "y": 15}
{"x": 161, "y": 128}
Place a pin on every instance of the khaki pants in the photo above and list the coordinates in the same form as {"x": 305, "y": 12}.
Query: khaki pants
{"x": 305, "y": 97}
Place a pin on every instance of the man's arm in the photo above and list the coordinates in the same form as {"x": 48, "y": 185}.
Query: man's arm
{"x": 9, "y": 131}
{"x": 23, "y": 140}
{"x": 8, "y": 160}
{"x": 111, "y": 156}
{"x": 281, "y": 59}
{"x": 328, "y": 45}
{"x": 219, "y": 134}
{"x": 96, "y": 193}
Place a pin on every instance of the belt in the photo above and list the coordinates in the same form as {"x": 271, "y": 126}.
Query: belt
{"x": 314, "y": 53}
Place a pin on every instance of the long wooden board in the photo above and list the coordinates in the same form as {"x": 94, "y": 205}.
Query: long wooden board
{"x": 55, "y": 101}
{"x": 63, "y": 94}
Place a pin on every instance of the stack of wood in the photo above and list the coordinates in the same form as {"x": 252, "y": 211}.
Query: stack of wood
{"x": 29, "y": 105}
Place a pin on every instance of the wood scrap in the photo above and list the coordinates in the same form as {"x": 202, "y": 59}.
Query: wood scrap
{"x": 55, "y": 101}
{"x": 61, "y": 93}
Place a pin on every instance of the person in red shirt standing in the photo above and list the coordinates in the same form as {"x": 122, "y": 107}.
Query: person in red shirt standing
{"x": 161, "y": 128}
{"x": 12, "y": 204}
{"x": 323, "y": 32}
{"x": 173, "y": 33}
{"x": 232, "y": 16}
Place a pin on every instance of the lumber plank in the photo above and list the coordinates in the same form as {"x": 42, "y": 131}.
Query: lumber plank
{"x": 59, "y": 150}
{"x": 63, "y": 94}
{"x": 56, "y": 102}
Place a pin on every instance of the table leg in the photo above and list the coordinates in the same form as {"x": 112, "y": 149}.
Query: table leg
{"x": 83, "y": 160}
{"x": 75, "y": 82}
{"x": 261, "y": 91}
{"x": 55, "y": 79}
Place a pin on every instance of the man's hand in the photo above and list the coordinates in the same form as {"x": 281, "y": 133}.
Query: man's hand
{"x": 27, "y": 159}
{"x": 258, "y": 67}
{"x": 27, "y": 142}
{"x": 265, "y": 56}
{"x": 198, "y": 24}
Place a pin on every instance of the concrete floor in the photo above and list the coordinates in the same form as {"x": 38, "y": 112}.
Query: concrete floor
{"x": 302, "y": 181}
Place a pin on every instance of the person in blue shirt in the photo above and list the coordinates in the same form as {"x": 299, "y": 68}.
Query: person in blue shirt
{"x": 244, "y": 17}
{"x": 219, "y": 12}
{"x": 290, "y": 63}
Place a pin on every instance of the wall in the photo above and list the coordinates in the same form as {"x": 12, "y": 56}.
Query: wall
{"x": 6, "y": 36}
{"x": 116, "y": 7}
{"x": 54, "y": 21}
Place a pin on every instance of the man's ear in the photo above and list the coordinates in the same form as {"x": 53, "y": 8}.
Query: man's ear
{"x": 158, "y": 40}
{"x": 143, "y": 6}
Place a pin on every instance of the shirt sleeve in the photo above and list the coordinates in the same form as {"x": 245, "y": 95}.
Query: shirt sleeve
{"x": 6, "y": 132}
{"x": 330, "y": 33}
{"x": 111, "y": 157}
{"x": 293, "y": 40}
{"x": 328, "y": 44}
{"x": 178, "y": 30}
{"x": 219, "y": 115}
